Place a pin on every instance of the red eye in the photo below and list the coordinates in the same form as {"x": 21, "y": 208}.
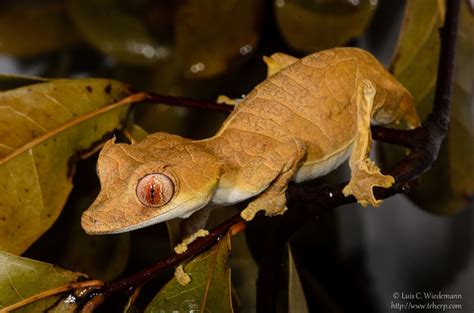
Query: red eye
{"x": 155, "y": 190}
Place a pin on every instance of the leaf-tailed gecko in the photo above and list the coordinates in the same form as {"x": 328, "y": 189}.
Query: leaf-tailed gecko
{"x": 303, "y": 121}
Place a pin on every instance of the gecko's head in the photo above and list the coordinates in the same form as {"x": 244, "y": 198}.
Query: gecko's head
{"x": 158, "y": 179}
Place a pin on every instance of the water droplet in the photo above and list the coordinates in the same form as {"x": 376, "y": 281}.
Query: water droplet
{"x": 245, "y": 49}
{"x": 197, "y": 67}
{"x": 280, "y": 3}
{"x": 70, "y": 299}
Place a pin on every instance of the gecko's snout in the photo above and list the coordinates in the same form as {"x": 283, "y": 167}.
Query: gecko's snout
{"x": 89, "y": 223}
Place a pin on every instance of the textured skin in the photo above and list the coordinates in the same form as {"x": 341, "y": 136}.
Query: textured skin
{"x": 302, "y": 122}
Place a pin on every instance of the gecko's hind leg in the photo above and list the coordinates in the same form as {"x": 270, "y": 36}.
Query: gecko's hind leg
{"x": 226, "y": 100}
{"x": 364, "y": 173}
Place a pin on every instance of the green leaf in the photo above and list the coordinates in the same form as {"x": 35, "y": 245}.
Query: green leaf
{"x": 29, "y": 28}
{"x": 209, "y": 289}
{"x": 461, "y": 133}
{"x": 8, "y": 81}
{"x": 21, "y": 278}
{"x": 115, "y": 32}
{"x": 310, "y": 26}
{"x": 296, "y": 298}
{"x": 135, "y": 133}
{"x": 244, "y": 270}
{"x": 206, "y": 50}
{"x": 415, "y": 65}
{"x": 415, "y": 60}
{"x": 43, "y": 130}
{"x": 102, "y": 257}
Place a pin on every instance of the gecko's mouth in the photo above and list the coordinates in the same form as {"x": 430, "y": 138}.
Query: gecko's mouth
{"x": 95, "y": 222}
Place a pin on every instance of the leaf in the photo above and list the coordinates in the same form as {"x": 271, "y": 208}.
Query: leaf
{"x": 102, "y": 257}
{"x": 116, "y": 33}
{"x": 244, "y": 270}
{"x": 8, "y": 81}
{"x": 461, "y": 133}
{"x": 30, "y": 28}
{"x": 209, "y": 289}
{"x": 415, "y": 65}
{"x": 205, "y": 49}
{"x": 21, "y": 278}
{"x": 310, "y": 26}
{"x": 415, "y": 60}
{"x": 43, "y": 129}
{"x": 135, "y": 132}
{"x": 296, "y": 299}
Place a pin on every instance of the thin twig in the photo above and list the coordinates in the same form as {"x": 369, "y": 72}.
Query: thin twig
{"x": 198, "y": 246}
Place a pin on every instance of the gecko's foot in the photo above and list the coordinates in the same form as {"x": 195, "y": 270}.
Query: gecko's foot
{"x": 272, "y": 206}
{"x": 228, "y": 101}
{"x": 363, "y": 180}
{"x": 182, "y": 277}
{"x": 183, "y": 246}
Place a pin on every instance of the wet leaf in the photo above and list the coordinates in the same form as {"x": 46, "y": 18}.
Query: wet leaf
{"x": 21, "y": 278}
{"x": 29, "y": 28}
{"x": 310, "y": 26}
{"x": 43, "y": 127}
{"x": 214, "y": 35}
{"x": 116, "y": 32}
{"x": 415, "y": 65}
{"x": 209, "y": 289}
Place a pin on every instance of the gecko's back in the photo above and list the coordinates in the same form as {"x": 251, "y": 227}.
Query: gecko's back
{"x": 312, "y": 99}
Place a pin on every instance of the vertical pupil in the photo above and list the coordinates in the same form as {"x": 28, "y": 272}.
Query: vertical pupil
{"x": 152, "y": 191}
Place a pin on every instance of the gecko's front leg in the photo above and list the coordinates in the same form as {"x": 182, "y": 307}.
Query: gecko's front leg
{"x": 285, "y": 159}
{"x": 364, "y": 173}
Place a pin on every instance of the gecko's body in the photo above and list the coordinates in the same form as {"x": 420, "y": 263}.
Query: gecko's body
{"x": 302, "y": 122}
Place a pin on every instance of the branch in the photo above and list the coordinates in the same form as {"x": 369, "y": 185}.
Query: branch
{"x": 309, "y": 200}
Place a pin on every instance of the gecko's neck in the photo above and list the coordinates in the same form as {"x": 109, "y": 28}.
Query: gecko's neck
{"x": 220, "y": 146}
{"x": 236, "y": 148}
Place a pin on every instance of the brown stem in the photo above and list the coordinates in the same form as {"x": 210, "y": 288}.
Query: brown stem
{"x": 309, "y": 200}
{"x": 187, "y": 102}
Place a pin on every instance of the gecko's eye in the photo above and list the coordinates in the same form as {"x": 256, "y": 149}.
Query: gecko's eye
{"x": 154, "y": 190}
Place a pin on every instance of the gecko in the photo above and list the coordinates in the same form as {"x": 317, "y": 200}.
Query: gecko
{"x": 303, "y": 121}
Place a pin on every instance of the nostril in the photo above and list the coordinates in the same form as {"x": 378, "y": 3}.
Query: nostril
{"x": 87, "y": 220}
